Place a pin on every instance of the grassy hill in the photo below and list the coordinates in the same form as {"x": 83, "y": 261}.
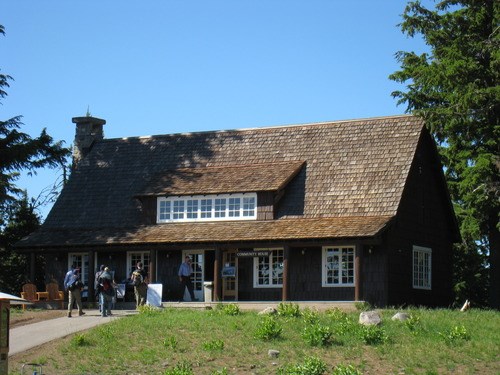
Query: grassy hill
{"x": 229, "y": 341}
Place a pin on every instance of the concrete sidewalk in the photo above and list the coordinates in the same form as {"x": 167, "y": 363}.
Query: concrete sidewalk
{"x": 31, "y": 335}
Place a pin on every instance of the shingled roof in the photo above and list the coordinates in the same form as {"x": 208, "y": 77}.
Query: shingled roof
{"x": 225, "y": 179}
{"x": 345, "y": 173}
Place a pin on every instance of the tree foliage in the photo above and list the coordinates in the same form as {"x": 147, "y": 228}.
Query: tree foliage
{"x": 455, "y": 88}
{"x": 22, "y": 220}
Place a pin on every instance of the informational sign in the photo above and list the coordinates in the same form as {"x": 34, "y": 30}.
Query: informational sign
{"x": 252, "y": 254}
{"x": 228, "y": 271}
{"x": 154, "y": 294}
{"x": 120, "y": 291}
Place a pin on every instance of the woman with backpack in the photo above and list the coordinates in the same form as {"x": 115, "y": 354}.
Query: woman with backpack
{"x": 138, "y": 279}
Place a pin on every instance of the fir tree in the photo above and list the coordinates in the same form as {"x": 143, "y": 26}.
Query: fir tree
{"x": 455, "y": 88}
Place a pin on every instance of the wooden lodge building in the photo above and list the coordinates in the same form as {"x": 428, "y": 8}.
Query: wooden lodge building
{"x": 339, "y": 211}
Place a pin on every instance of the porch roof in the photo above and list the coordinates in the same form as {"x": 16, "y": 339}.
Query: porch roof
{"x": 223, "y": 179}
{"x": 212, "y": 232}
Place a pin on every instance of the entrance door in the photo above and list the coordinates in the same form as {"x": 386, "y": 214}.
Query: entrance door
{"x": 197, "y": 275}
{"x": 230, "y": 284}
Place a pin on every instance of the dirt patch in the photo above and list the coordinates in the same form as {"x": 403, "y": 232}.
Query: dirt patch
{"x": 20, "y": 318}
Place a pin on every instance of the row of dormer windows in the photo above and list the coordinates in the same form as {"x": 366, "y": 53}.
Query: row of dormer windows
{"x": 241, "y": 206}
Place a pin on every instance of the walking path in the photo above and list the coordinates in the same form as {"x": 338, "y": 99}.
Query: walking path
{"x": 31, "y": 335}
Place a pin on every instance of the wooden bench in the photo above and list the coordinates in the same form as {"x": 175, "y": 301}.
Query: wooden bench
{"x": 29, "y": 293}
{"x": 53, "y": 293}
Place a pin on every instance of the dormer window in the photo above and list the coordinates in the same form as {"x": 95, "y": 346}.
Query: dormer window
{"x": 217, "y": 207}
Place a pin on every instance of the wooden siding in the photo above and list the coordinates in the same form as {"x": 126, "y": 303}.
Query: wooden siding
{"x": 167, "y": 274}
{"x": 265, "y": 206}
{"x": 374, "y": 274}
{"x": 423, "y": 220}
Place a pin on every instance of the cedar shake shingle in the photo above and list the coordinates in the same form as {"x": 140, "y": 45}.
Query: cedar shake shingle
{"x": 210, "y": 232}
{"x": 220, "y": 180}
{"x": 352, "y": 169}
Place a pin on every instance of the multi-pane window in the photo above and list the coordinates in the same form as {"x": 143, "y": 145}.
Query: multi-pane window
{"x": 220, "y": 207}
{"x": 268, "y": 269}
{"x": 206, "y": 208}
{"x": 248, "y": 206}
{"x": 136, "y": 257}
{"x": 192, "y": 209}
{"x": 164, "y": 210}
{"x": 178, "y": 210}
{"x": 234, "y": 207}
{"x": 422, "y": 267}
{"x": 338, "y": 266}
{"x": 81, "y": 261}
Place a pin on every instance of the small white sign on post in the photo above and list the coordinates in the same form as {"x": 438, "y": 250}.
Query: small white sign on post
{"x": 154, "y": 294}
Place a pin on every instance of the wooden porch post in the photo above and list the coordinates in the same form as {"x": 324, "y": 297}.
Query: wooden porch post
{"x": 91, "y": 276}
{"x": 358, "y": 293}
{"x": 32, "y": 267}
{"x": 217, "y": 275}
{"x": 152, "y": 266}
{"x": 286, "y": 254}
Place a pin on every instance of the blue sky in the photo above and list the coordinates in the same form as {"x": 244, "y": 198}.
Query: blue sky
{"x": 158, "y": 67}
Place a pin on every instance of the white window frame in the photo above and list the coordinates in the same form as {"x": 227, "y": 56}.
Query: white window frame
{"x": 175, "y": 209}
{"x": 82, "y": 262}
{"x": 422, "y": 267}
{"x": 133, "y": 257}
{"x": 340, "y": 251}
{"x": 246, "y": 204}
{"x": 206, "y": 208}
{"x": 271, "y": 261}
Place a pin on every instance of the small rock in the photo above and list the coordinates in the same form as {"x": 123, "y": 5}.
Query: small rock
{"x": 370, "y": 318}
{"x": 401, "y": 316}
{"x": 268, "y": 311}
{"x": 273, "y": 353}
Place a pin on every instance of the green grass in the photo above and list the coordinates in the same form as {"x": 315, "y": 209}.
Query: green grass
{"x": 183, "y": 341}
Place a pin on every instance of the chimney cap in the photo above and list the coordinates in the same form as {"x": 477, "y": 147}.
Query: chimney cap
{"x": 88, "y": 120}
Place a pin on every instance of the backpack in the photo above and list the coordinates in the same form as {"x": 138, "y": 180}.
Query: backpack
{"x": 106, "y": 287}
{"x": 72, "y": 283}
{"x": 137, "y": 278}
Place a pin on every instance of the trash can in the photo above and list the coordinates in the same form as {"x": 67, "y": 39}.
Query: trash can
{"x": 208, "y": 287}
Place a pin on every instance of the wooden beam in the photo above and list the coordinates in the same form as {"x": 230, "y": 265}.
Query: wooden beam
{"x": 286, "y": 254}
{"x": 217, "y": 274}
{"x": 91, "y": 276}
{"x": 358, "y": 293}
{"x": 32, "y": 266}
{"x": 152, "y": 266}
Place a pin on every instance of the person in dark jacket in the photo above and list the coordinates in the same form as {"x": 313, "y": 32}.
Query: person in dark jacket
{"x": 107, "y": 291}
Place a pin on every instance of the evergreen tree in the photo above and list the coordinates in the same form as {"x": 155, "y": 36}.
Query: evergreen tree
{"x": 455, "y": 88}
{"x": 22, "y": 220}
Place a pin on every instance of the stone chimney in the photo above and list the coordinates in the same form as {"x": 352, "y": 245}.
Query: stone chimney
{"x": 88, "y": 131}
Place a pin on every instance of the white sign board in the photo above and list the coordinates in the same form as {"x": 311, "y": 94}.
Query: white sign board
{"x": 154, "y": 294}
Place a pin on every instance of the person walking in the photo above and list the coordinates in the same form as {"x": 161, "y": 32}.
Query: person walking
{"x": 139, "y": 280}
{"x": 73, "y": 284}
{"x": 107, "y": 291}
{"x": 185, "y": 271}
{"x": 97, "y": 290}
